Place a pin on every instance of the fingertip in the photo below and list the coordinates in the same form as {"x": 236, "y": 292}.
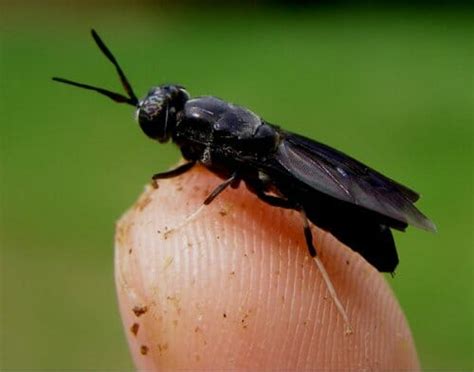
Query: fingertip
{"x": 236, "y": 288}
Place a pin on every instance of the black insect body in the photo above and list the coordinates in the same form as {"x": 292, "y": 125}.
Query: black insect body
{"x": 358, "y": 205}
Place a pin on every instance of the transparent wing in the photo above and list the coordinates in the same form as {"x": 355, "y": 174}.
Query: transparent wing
{"x": 340, "y": 176}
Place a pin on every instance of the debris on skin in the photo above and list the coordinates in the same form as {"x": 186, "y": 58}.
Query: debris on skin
{"x": 245, "y": 319}
{"x": 143, "y": 202}
{"x": 167, "y": 232}
{"x": 168, "y": 262}
{"x": 225, "y": 209}
{"x": 223, "y": 212}
{"x": 162, "y": 347}
{"x": 154, "y": 184}
{"x": 175, "y": 301}
{"x": 134, "y": 328}
{"x": 206, "y": 193}
{"x": 139, "y": 310}
{"x": 122, "y": 233}
{"x": 144, "y": 350}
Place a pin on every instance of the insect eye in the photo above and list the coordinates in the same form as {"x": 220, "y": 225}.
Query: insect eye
{"x": 152, "y": 120}
{"x": 158, "y": 110}
{"x": 149, "y": 114}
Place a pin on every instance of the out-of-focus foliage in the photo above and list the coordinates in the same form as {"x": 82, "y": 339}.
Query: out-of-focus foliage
{"x": 392, "y": 87}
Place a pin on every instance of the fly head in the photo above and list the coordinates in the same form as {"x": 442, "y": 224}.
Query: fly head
{"x": 157, "y": 112}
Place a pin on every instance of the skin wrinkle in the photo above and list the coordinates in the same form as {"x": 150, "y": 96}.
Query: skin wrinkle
{"x": 250, "y": 317}
{"x": 332, "y": 319}
{"x": 235, "y": 285}
{"x": 312, "y": 328}
{"x": 281, "y": 280}
{"x": 267, "y": 296}
{"x": 314, "y": 334}
{"x": 223, "y": 286}
{"x": 287, "y": 287}
{"x": 306, "y": 330}
{"x": 193, "y": 262}
{"x": 274, "y": 268}
{"x": 240, "y": 292}
{"x": 252, "y": 279}
{"x": 298, "y": 284}
{"x": 276, "y": 336}
{"x": 298, "y": 328}
{"x": 214, "y": 261}
{"x": 223, "y": 233}
{"x": 299, "y": 336}
{"x": 297, "y": 295}
{"x": 258, "y": 317}
{"x": 293, "y": 296}
{"x": 287, "y": 296}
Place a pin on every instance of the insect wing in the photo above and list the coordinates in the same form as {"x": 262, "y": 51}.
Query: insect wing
{"x": 342, "y": 177}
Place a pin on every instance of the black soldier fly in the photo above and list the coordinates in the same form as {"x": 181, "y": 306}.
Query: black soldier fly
{"x": 355, "y": 203}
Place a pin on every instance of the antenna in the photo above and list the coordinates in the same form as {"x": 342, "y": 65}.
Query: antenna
{"x": 117, "y": 97}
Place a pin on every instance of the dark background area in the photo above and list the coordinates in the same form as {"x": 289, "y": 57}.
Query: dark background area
{"x": 389, "y": 83}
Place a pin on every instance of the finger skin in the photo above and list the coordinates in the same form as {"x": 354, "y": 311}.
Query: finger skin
{"x": 236, "y": 288}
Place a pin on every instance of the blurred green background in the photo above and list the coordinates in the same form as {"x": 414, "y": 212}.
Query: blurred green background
{"x": 391, "y": 86}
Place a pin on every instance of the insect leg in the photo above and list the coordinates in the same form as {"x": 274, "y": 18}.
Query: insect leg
{"x": 220, "y": 188}
{"x": 332, "y": 291}
{"x": 228, "y": 182}
{"x": 183, "y": 168}
{"x": 258, "y": 188}
{"x": 275, "y": 201}
{"x": 280, "y": 202}
{"x": 308, "y": 235}
{"x": 171, "y": 173}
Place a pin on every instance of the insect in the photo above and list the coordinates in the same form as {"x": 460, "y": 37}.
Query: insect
{"x": 356, "y": 204}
